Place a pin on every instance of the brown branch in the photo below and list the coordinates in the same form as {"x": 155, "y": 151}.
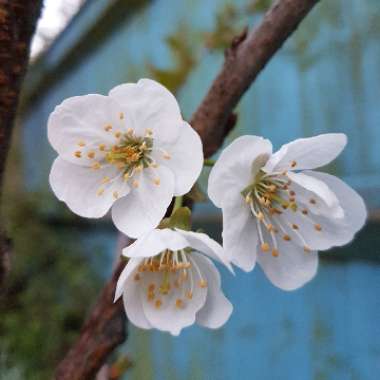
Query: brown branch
{"x": 17, "y": 24}
{"x": 213, "y": 120}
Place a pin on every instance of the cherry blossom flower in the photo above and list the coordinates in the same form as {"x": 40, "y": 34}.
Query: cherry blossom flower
{"x": 131, "y": 150}
{"x": 170, "y": 282}
{"x": 279, "y": 212}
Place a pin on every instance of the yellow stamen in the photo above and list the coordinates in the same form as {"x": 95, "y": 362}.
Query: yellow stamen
{"x": 81, "y": 143}
{"x": 95, "y": 166}
{"x": 286, "y": 237}
{"x": 100, "y": 192}
{"x": 189, "y": 294}
{"x": 157, "y": 181}
{"x": 108, "y": 127}
{"x": 102, "y": 147}
{"x": 275, "y": 252}
{"x": 179, "y": 303}
{"x": 293, "y": 164}
{"x": 202, "y": 283}
{"x": 115, "y": 194}
{"x": 118, "y": 134}
{"x": 158, "y": 304}
{"x": 78, "y": 154}
{"x": 135, "y": 184}
{"x": 91, "y": 154}
{"x": 318, "y": 227}
{"x": 121, "y": 115}
{"x": 265, "y": 247}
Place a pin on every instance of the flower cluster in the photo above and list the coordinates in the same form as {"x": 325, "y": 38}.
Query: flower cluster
{"x": 132, "y": 151}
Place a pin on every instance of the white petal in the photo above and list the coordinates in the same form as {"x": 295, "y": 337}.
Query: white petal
{"x": 81, "y": 120}
{"x": 203, "y": 243}
{"x": 307, "y": 153}
{"x": 292, "y": 268}
{"x": 146, "y": 205}
{"x": 154, "y": 242}
{"x": 355, "y": 212}
{"x": 127, "y": 271}
{"x": 239, "y": 233}
{"x": 133, "y": 303}
{"x": 151, "y": 106}
{"x": 79, "y": 186}
{"x": 312, "y": 188}
{"x": 217, "y": 309}
{"x": 169, "y": 317}
{"x": 186, "y": 158}
{"x": 237, "y": 166}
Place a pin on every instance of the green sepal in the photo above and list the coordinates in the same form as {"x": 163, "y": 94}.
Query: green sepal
{"x": 196, "y": 194}
{"x": 181, "y": 218}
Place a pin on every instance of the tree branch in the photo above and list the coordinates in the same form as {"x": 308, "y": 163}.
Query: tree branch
{"x": 18, "y": 19}
{"x": 245, "y": 59}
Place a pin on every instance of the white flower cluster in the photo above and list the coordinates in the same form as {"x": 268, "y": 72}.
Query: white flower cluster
{"x": 132, "y": 151}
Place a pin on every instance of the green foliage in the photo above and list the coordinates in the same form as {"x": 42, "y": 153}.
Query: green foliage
{"x": 184, "y": 59}
{"x": 47, "y": 291}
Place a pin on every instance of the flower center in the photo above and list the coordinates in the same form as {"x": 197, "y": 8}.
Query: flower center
{"x": 177, "y": 271}
{"x": 271, "y": 198}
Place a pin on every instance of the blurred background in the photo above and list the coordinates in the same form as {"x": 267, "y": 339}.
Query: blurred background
{"x": 325, "y": 79}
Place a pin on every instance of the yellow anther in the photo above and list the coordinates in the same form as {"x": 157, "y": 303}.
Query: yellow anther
{"x": 270, "y": 227}
{"x": 318, "y": 227}
{"x": 156, "y": 181}
{"x": 158, "y": 304}
{"x": 105, "y": 179}
{"x": 167, "y": 156}
{"x": 121, "y": 115}
{"x": 248, "y": 199}
{"x": 137, "y": 277}
{"x": 150, "y": 296}
{"x": 293, "y": 164}
{"x": 130, "y": 131}
{"x": 135, "y": 184}
{"x": 78, "y": 154}
{"x": 275, "y": 252}
{"x": 260, "y": 216}
{"x": 108, "y": 127}
{"x": 126, "y": 176}
{"x": 154, "y": 165}
{"x": 295, "y": 226}
{"x": 202, "y": 283}
{"x": 286, "y": 237}
{"x": 179, "y": 303}
{"x": 151, "y": 287}
{"x": 189, "y": 294}
{"x": 102, "y": 147}
{"x": 139, "y": 169}
{"x": 272, "y": 188}
{"x": 95, "y": 166}
{"x": 304, "y": 211}
{"x": 117, "y": 134}
{"x": 312, "y": 201}
{"x": 292, "y": 199}
{"x": 265, "y": 247}
{"x": 306, "y": 249}
{"x": 115, "y": 194}
{"x": 100, "y": 192}
{"x": 91, "y": 154}
{"x": 81, "y": 143}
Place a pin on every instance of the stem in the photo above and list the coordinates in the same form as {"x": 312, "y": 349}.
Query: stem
{"x": 208, "y": 162}
{"x": 177, "y": 203}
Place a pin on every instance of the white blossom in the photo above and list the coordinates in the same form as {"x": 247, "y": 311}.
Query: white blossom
{"x": 279, "y": 212}
{"x": 169, "y": 282}
{"x": 130, "y": 149}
